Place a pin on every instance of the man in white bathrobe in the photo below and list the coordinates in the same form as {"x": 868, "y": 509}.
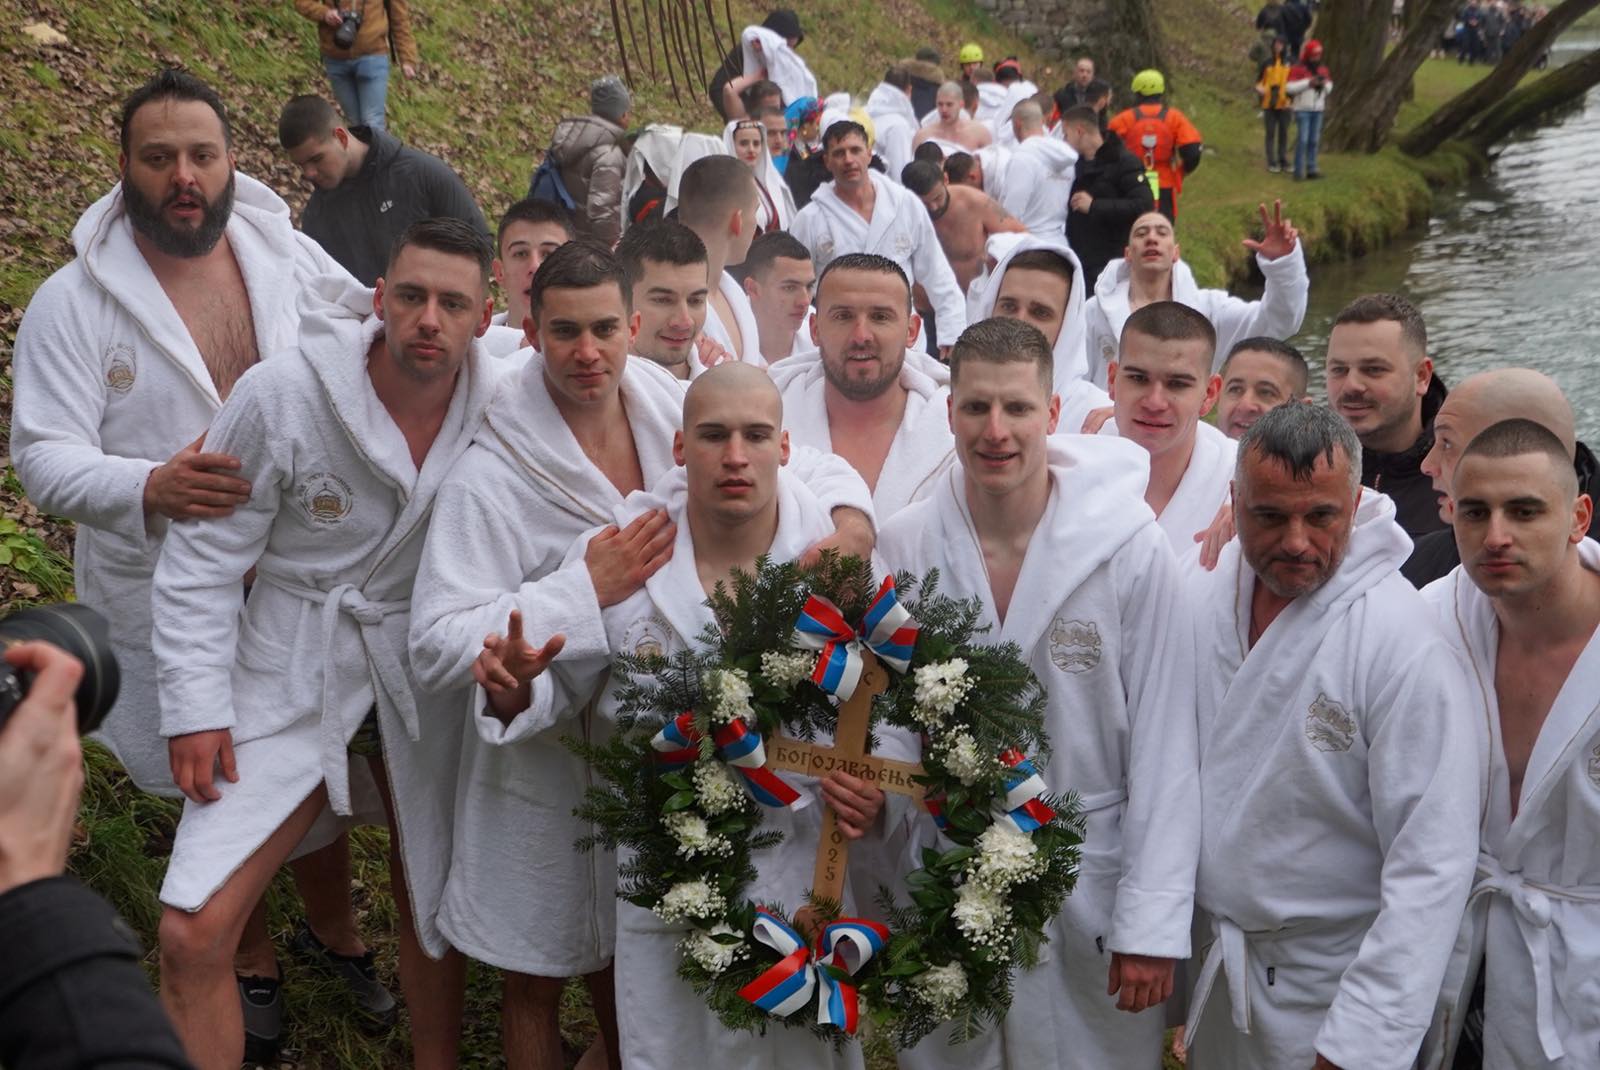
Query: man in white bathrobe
{"x": 894, "y": 121}
{"x": 187, "y": 273}
{"x": 1524, "y": 607}
{"x": 666, "y": 266}
{"x": 1259, "y": 374}
{"x": 779, "y": 279}
{"x": 865, "y": 395}
{"x": 530, "y": 230}
{"x": 860, "y": 211}
{"x": 1339, "y": 770}
{"x": 1151, "y": 270}
{"x": 1047, "y": 208}
{"x": 717, "y": 200}
{"x": 581, "y": 426}
{"x": 1160, "y": 389}
{"x": 1050, "y": 534}
{"x": 731, "y": 499}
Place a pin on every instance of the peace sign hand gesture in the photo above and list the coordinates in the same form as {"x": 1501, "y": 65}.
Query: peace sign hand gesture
{"x": 1279, "y": 238}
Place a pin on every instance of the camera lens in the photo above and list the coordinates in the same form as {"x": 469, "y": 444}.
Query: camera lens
{"x": 81, "y": 632}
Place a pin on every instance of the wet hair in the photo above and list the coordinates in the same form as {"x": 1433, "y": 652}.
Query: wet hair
{"x": 957, "y": 165}
{"x": 535, "y": 210}
{"x": 305, "y": 118}
{"x": 1081, "y": 115}
{"x": 768, "y": 247}
{"x": 714, "y": 186}
{"x": 445, "y": 235}
{"x": 928, "y": 150}
{"x": 660, "y": 241}
{"x": 881, "y": 265}
{"x": 1003, "y": 341}
{"x": 1046, "y": 260}
{"x": 1518, "y": 438}
{"x": 1299, "y": 371}
{"x": 898, "y": 77}
{"x": 580, "y": 264}
{"x": 839, "y": 130}
{"x": 1392, "y": 308}
{"x": 1172, "y": 321}
{"x": 1296, "y": 436}
{"x": 921, "y": 176}
{"x": 172, "y": 84}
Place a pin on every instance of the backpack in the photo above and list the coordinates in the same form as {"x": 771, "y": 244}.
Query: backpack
{"x": 547, "y": 184}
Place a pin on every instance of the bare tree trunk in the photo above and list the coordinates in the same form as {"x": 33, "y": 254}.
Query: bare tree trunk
{"x": 1362, "y": 111}
{"x": 1467, "y": 106}
{"x": 1532, "y": 101}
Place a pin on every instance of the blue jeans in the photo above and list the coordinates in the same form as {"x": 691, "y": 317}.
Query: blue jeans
{"x": 1307, "y": 138}
{"x": 362, "y": 87}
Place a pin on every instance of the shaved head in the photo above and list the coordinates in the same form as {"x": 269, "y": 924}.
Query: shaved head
{"x": 1029, "y": 116}
{"x": 749, "y": 383}
{"x": 950, "y": 91}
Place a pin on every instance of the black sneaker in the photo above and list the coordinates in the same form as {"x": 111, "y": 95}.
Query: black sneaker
{"x": 357, "y": 973}
{"x": 263, "y": 1018}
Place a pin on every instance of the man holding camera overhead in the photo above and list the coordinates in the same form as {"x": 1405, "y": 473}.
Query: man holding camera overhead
{"x": 358, "y": 37}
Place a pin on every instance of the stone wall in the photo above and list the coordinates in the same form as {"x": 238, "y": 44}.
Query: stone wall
{"x": 1121, "y": 35}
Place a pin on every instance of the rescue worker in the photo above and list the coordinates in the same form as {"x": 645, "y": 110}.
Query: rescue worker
{"x": 1162, "y": 137}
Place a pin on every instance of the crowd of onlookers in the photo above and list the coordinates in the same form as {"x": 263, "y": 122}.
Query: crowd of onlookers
{"x": 1483, "y": 32}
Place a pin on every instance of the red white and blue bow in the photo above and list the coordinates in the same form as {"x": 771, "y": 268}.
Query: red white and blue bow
{"x": 845, "y": 946}
{"x": 887, "y": 628}
{"x": 1023, "y": 804}
{"x": 677, "y": 745}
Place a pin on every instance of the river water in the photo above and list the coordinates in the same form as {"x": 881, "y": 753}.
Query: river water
{"x": 1507, "y": 272}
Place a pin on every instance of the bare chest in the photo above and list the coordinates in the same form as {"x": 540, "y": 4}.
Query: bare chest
{"x": 730, "y": 323}
{"x": 1004, "y": 566}
{"x": 961, "y": 235}
{"x": 619, "y": 461}
{"x": 867, "y": 450}
{"x": 1526, "y": 686}
{"x": 215, "y": 308}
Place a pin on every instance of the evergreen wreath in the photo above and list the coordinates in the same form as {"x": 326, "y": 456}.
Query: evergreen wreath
{"x": 980, "y": 903}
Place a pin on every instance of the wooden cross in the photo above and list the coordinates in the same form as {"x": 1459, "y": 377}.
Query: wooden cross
{"x": 848, "y": 754}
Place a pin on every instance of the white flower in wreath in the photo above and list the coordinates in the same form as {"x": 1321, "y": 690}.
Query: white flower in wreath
{"x": 690, "y": 899}
{"x": 981, "y": 915}
{"x": 1006, "y": 856}
{"x": 940, "y": 689}
{"x": 963, "y": 759}
{"x": 694, "y": 837}
{"x": 943, "y": 988}
{"x": 785, "y": 669}
{"x": 716, "y": 790}
{"x": 713, "y": 956}
{"x": 729, "y": 690}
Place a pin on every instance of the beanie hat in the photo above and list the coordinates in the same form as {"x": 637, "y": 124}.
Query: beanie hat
{"x": 785, "y": 23}
{"x": 609, "y": 98}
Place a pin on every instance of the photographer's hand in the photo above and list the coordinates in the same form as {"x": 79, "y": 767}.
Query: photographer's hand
{"x": 41, "y": 768}
{"x": 332, "y": 17}
{"x": 194, "y": 760}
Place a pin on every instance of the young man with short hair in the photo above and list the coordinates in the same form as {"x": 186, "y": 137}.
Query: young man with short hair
{"x": 1151, "y": 269}
{"x": 1161, "y": 386}
{"x": 963, "y": 218}
{"x": 665, "y": 263}
{"x": 1045, "y": 216}
{"x": 718, "y": 199}
{"x": 1524, "y": 608}
{"x": 1258, "y": 374}
{"x": 953, "y": 131}
{"x": 779, "y": 279}
{"x": 530, "y": 230}
{"x": 1049, "y": 534}
{"x": 1108, "y": 193}
{"x": 864, "y": 212}
{"x": 367, "y": 186}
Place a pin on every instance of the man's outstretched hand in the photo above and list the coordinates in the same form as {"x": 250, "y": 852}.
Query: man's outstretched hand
{"x": 1279, "y": 237}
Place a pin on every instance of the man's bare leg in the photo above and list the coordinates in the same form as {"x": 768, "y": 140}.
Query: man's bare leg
{"x": 256, "y": 956}
{"x": 530, "y": 1021}
{"x": 323, "y": 880}
{"x": 435, "y": 989}
{"x": 197, "y": 950}
{"x": 607, "y": 1049}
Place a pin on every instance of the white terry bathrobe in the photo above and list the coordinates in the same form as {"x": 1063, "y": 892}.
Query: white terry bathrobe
{"x": 1202, "y": 491}
{"x": 1100, "y": 615}
{"x": 900, "y": 230}
{"x": 745, "y": 316}
{"x": 783, "y": 64}
{"x": 108, "y": 386}
{"x": 334, "y": 528}
{"x": 506, "y": 518}
{"x": 923, "y": 446}
{"x": 1079, "y": 397}
{"x": 1535, "y": 905}
{"x": 1339, "y": 775}
{"x": 894, "y": 123}
{"x": 1045, "y": 214}
{"x": 1278, "y": 314}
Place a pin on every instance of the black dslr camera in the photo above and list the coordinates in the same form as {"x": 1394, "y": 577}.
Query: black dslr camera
{"x": 349, "y": 24}
{"x": 81, "y": 632}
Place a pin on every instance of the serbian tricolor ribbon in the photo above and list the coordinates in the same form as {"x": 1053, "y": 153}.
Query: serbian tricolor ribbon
{"x": 677, "y": 745}
{"x": 887, "y": 628}
{"x": 1024, "y": 788}
{"x": 844, "y": 947}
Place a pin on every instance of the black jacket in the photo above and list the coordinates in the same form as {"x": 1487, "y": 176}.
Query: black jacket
{"x": 1435, "y": 555}
{"x": 357, "y": 221}
{"x": 1114, "y": 177}
{"x": 72, "y": 993}
{"x": 1071, "y": 96}
{"x": 1400, "y": 476}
